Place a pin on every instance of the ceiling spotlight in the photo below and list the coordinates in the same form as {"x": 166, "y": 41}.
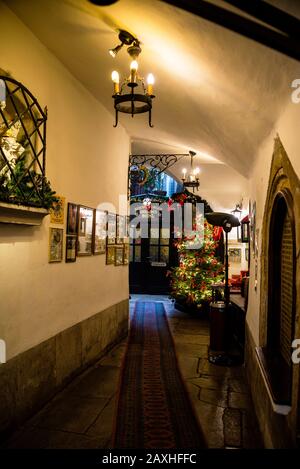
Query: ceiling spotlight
{"x": 126, "y": 38}
{"x": 113, "y": 52}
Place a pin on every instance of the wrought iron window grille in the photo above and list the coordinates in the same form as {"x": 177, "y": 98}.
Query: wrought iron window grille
{"x": 22, "y": 147}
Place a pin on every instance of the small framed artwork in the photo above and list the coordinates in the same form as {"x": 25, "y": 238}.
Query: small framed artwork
{"x": 100, "y": 220}
{"x": 55, "y": 244}
{"x": 71, "y": 248}
{"x": 235, "y": 254}
{"x": 126, "y": 254}
{"x": 82, "y": 226}
{"x": 119, "y": 255}
{"x": 85, "y": 231}
{"x": 247, "y": 254}
{"x": 127, "y": 230}
{"x": 245, "y": 228}
{"x": 57, "y": 212}
{"x": 72, "y": 219}
{"x": 110, "y": 255}
{"x": 253, "y": 227}
{"x": 111, "y": 228}
{"x": 121, "y": 229}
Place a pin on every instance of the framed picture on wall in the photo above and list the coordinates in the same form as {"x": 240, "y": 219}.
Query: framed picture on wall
{"x": 57, "y": 212}
{"x": 55, "y": 244}
{"x": 247, "y": 254}
{"x": 111, "y": 228}
{"x": 235, "y": 255}
{"x": 253, "y": 227}
{"x": 71, "y": 248}
{"x": 72, "y": 219}
{"x": 126, "y": 254}
{"x": 85, "y": 231}
{"x": 121, "y": 228}
{"x": 119, "y": 255}
{"x": 110, "y": 255}
{"x": 127, "y": 230}
{"x": 100, "y": 220}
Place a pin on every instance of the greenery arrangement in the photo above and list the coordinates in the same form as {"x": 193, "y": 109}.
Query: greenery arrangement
{"x": 31, "y": 189}
{"x": 198, "y": 269}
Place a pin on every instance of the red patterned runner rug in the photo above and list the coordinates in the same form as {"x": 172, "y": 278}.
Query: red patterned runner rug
{"x": 153, "y": 409}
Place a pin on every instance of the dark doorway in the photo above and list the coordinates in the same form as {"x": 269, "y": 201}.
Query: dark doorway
{"x": 281, "y": 307}
{"x": 150, "y": 260}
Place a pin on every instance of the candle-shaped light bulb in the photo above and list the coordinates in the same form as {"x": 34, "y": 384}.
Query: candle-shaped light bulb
{"x": 150, "y": 83}
{"x": 183, "y": 173}
{"x": 116, "y": 80}
{"x": 133, "y": 69}
{"x": 196, "y": 171}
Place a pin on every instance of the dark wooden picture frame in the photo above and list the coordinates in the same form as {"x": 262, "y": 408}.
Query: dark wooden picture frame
{"x": 245, "y": 229}
{"x": 71, "y": 248}
{"x": 85, "y": 236}
{"x": 72, "y": 219}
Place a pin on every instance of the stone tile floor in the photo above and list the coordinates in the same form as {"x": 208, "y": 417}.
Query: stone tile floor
{"x": 82, "y": 415}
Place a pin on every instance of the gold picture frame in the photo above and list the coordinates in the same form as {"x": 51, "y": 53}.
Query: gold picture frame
{"x": 119, "y": 255}
{"x": 110, "y": 255}
{"x": 126, "y": 254}
{"x": 71, "y": 248}
{"x": 57, "y": 212}
{"x": 55, "y": 244}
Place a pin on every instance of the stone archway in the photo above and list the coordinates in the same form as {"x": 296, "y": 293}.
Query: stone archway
{"x": 283, "y": 199}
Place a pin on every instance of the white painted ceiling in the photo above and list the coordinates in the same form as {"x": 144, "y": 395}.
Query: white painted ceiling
{"x": 216, "y": 92}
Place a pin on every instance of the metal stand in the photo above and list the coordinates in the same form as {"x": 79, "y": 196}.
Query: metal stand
{"x": 227, "y": 222}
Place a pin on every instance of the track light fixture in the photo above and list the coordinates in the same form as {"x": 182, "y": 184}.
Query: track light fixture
{"x": 125, "y": 38}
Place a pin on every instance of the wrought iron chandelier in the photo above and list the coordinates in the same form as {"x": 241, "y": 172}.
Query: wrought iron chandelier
{"x": 192, "y": 179}
{"x": 132, "y": 102}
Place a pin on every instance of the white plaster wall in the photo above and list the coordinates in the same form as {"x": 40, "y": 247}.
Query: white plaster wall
{"x": 287, "y": 127}
{"x": 87, "y": 163}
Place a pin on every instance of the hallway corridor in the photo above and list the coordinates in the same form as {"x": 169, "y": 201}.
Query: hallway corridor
{"x": 82, "y": 415}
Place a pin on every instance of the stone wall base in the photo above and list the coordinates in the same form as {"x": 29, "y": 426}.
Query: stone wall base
{"x": 274, "y": 427}
{"x": 32, "y": 378}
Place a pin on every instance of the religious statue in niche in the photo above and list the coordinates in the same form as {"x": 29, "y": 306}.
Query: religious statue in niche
{"x": 22, "y": 147}
{"x": 12, "y": 150}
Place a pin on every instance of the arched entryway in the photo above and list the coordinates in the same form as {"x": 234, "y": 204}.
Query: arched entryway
{"x": 281, "y": 297}
{"x": 278, "y": 321}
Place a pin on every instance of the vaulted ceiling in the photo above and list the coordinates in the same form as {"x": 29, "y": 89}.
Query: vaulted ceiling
{"x": 217, "y": 93}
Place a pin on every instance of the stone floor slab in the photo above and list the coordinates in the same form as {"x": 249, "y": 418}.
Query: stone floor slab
{"x": 100, "y": 382}
{"x": 70, "y": 414}
{"x": 239, "y": 400}
{"x": 37, "y": 438}
{"x": 214, "y": 397}
{"x": 232, "y": 419}
{"x": 103, "y": 427}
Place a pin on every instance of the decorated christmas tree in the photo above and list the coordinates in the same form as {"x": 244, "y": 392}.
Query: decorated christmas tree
{"x": 198, "y": 268}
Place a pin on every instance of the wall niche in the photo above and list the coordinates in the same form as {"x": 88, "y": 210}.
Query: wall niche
{"x": 25, "y": 193}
